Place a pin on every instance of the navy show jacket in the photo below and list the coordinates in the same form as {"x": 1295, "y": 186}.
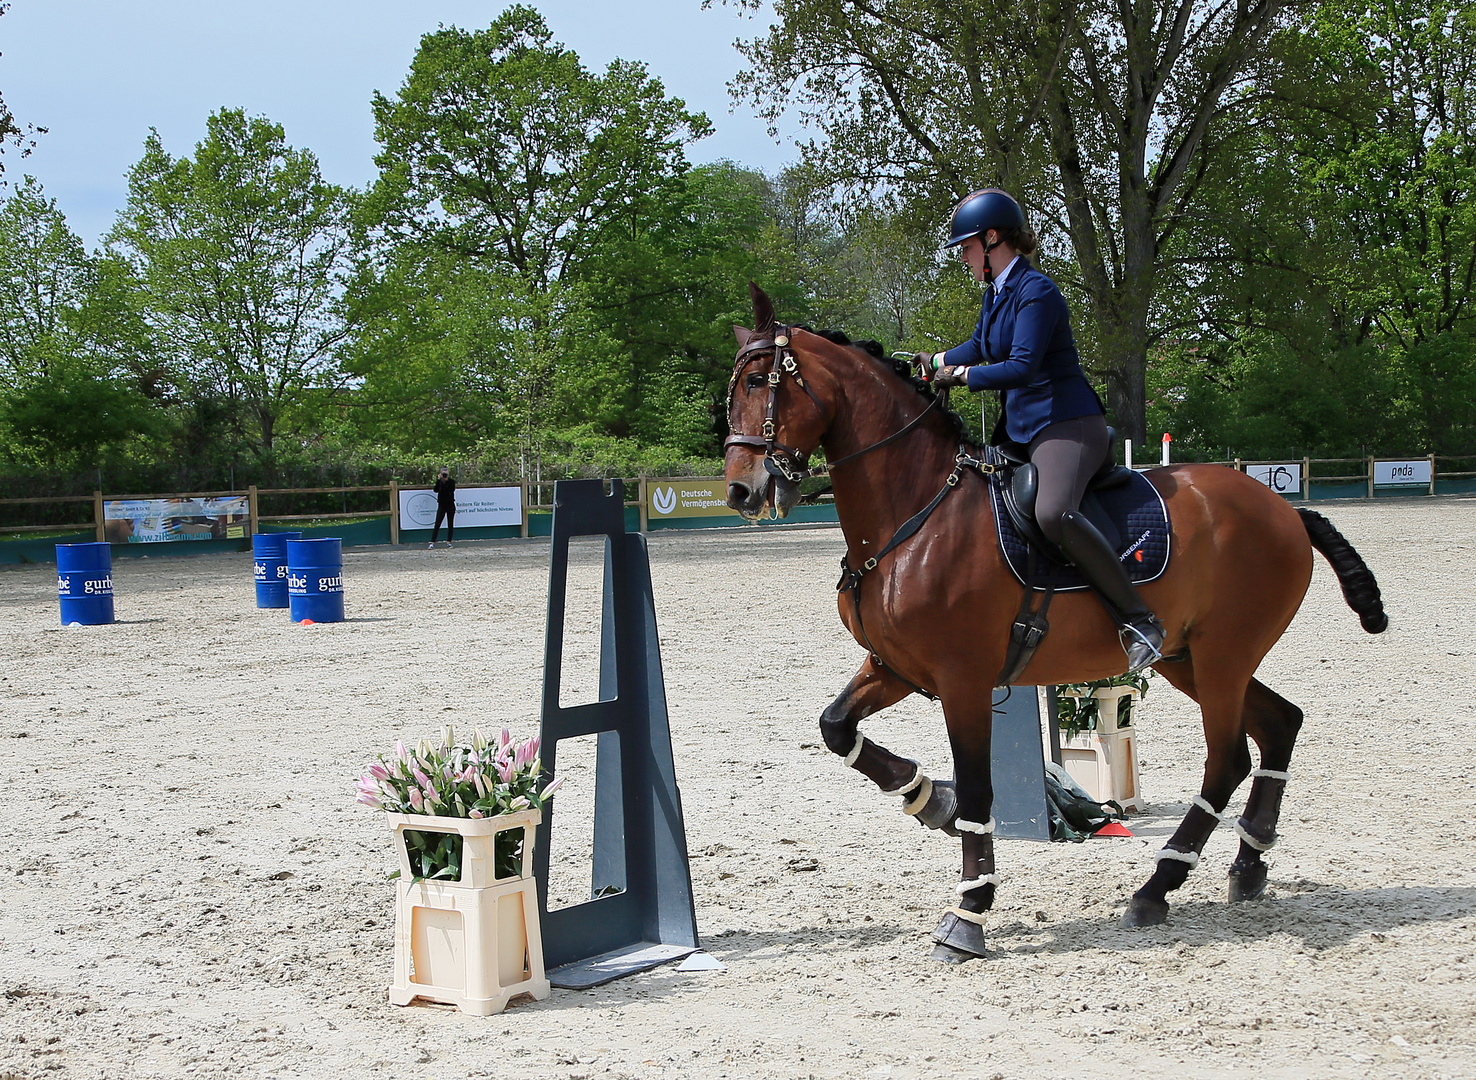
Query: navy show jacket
{"x": 1023, "y": 346}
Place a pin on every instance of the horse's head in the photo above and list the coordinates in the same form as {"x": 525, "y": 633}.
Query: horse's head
{"x": 775, "y": 415}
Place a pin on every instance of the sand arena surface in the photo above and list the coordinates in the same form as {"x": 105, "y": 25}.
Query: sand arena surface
{"x": 191, "y": 891}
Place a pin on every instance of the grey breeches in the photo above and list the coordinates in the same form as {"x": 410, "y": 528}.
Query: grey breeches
{"x": 1065, "y": 455}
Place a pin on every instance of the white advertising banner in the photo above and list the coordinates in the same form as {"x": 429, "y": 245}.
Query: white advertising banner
{"x": 1400, "y": 473}
{"x": 476, "y": 507}
{"x": 1283, "y": 479}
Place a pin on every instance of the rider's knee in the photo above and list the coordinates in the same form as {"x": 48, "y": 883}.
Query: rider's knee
{"x": 1050, "y": 525}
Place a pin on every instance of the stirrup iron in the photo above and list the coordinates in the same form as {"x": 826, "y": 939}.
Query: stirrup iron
{"x": 1139, "y": 644}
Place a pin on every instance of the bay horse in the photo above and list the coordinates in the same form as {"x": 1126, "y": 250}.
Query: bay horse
{"x": 933, "y": 604}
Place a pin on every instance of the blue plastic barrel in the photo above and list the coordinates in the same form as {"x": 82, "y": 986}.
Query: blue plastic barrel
{"x": 270, "y": 553}
{"x": 84, "y": 583}
{"x": 315, "y": 580}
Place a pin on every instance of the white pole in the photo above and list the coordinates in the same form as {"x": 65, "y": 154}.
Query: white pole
{"x": 1167, "y": 438}
{"x": 1127, "y": 451}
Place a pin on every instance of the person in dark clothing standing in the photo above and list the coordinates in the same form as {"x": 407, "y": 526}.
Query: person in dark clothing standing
{"x": 445, "y": 489}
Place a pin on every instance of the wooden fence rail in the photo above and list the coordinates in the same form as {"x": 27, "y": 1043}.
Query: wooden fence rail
{"x": 537, "y": 496}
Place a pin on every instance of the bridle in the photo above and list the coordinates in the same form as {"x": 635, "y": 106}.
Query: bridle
{"x": 781, "y": 460}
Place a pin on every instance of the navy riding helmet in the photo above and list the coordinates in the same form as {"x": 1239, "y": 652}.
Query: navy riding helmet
{"x": 982, "y": 211}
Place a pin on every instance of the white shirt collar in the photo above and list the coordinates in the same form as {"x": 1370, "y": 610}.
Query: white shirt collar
{"x": 999, "y": 278}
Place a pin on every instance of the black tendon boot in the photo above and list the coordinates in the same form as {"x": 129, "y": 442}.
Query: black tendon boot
{"x": 1141, "y": 633}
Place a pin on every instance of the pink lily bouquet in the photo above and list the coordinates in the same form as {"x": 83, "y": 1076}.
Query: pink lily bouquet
{"x": 479, "y": 779}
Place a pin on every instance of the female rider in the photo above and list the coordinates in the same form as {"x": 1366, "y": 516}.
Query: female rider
{"x": 1023, "y": 347}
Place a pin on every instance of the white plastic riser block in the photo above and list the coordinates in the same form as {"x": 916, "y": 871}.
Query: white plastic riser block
{"x": 1108, "y": 707}
{"x": 1105, "y": 764}
{"x": 473, "y": 943}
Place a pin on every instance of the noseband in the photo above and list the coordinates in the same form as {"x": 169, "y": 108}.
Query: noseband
{"x": 780, "y": 460}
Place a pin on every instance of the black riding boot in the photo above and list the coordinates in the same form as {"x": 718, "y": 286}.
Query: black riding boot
{"x": 1141, "y": 633}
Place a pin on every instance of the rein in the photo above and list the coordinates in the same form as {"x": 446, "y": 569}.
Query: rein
{"x": 786, "y": 461}
{"x": 791, "y": 464}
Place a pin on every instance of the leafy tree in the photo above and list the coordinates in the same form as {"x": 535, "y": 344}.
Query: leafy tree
{"x": 501, "y": 147}
{"x": 69, "y": 416}
{"x": 1101, "y": 117}
{"x": 44, "y": 279}
{"x": 239, "y": 256}
{"x": 541, "y": 248}
{"x": 1337, "y": 250}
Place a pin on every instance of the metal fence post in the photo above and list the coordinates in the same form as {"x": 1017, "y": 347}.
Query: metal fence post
{"x": 394, "y": 508}
{"x": 97, "y": 517}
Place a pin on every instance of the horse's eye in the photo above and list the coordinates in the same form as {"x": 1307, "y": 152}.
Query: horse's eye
{"x": 754, "y": 381}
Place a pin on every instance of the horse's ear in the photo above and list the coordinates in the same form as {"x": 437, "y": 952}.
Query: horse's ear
{"x": 763, "y": 309}
{"x": 742, "y": 333}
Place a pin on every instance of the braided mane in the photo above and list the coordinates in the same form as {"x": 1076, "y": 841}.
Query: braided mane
{"x": 903, "y": 370}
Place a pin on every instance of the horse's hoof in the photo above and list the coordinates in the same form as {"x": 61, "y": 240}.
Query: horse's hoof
{"x": 1247, "y": 883}
{"x": 941, "y": 809}
{"x": 1143, "y": 911}
{"x": 958, "y": 940}
{"x": 947, "y": 954}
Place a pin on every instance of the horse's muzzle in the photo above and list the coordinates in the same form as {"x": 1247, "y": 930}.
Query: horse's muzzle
{"x": 750, "y": 498}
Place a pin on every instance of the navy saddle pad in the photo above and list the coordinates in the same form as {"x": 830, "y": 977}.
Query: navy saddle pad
{"x": 1131, "y": 515}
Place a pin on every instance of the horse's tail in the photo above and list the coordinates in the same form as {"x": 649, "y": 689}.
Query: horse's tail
{"x": 1357, "y": 580}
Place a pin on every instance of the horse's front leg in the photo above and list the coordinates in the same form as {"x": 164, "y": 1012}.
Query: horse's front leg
{"x": 872, "y": 689}
{"x": 960, "y": 936}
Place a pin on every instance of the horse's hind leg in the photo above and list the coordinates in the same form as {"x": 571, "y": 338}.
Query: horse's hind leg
{"x": 872, "y": 689}
{"x": 1227, "y": 764}
{"x": 1273, "y": 722}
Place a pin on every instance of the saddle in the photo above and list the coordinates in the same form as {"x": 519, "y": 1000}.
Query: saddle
{"x": 1121, "y": 503}
{"x": 1018, "y": 482}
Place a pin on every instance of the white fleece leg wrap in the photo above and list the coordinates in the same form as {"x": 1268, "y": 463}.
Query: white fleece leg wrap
{"x": 924, "y": 793}
{"x": 1190, "y": 857}
{"x": 976, "y": 883}
{"x": 855, "y": 750}
{"x": 917, "y": 779}
{"x": 1271, "y": 774}
{"x": 1203, "y": 803}
{"x": 964, "y": 825}
{"x": 1259, "y": 845}
{"x": 978, "y": 918}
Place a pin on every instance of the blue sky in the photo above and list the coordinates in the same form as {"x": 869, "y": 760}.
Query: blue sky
{"x": 100, "y": 73}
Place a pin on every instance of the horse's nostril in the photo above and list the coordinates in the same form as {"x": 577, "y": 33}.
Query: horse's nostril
{"x": 737, "y": 494}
